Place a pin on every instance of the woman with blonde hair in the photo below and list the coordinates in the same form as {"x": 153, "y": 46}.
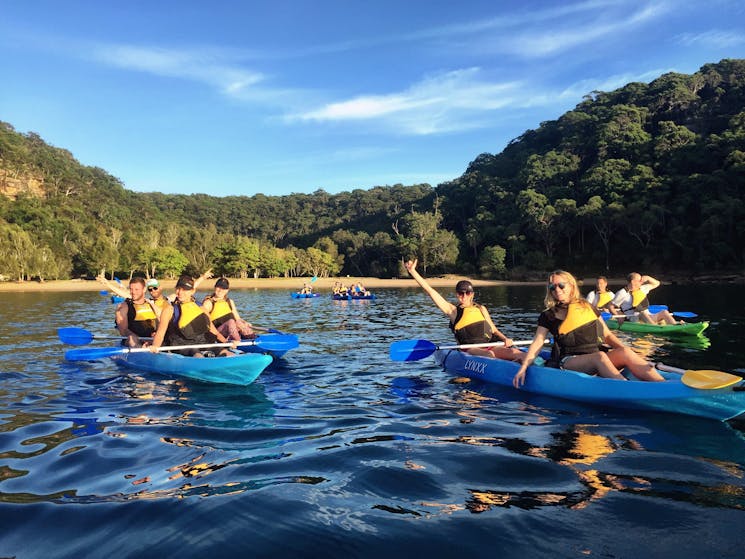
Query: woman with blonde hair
{"x": 582, "y": 341}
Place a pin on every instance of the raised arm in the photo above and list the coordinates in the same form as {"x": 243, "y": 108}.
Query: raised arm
{"x": 446, "y": 307}
{"x": 113, "y": 287}
{"x": 200, "y": 279}
{"x": 650, "y": 281}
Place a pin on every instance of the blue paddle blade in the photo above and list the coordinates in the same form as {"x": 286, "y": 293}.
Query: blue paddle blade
{"x": 411, "y": 350}
{"x": 277, "y": 342}
{"x": 103, "y": 292}
{"x": 654, "y": 309}
{"x": 91, "y": 354}
{"x": 74, "y": 336}
{"x": 685, "y": 314}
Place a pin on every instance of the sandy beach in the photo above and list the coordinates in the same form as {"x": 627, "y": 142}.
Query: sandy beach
{"x": 288, "y": 284}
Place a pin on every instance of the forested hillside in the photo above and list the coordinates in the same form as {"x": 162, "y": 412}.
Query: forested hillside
{"x": 650, "y": 176}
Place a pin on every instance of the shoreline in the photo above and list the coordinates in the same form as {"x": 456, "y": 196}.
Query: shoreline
{"x": 288, "y": 284}
{"x": 326, "y": 284}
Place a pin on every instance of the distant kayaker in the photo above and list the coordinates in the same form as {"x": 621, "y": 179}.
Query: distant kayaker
{"x": 136, "y": 317}
{"x": 601, "y": 298}
{"x": 186, "y": 323}
{"x": 582, "y": 340}
{"x": 224, "y": 315}
{"x": 307, "y": 289}
{"x": 634, "y": 303}
{"x": 469, "y": 321}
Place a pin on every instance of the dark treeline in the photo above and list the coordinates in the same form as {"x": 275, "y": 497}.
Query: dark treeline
{"x": 650, "y": 176}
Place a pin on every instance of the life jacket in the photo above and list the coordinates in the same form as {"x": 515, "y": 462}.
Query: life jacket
{"x": 603, "y": 299}
{"x": 141, "y": 318}
{"x": 161, "y": 302}
{"x": 221, "y": 312}
{"x": 470, "y": 327}
{"x": 579, "y": 333}
{"x": 189, "y": 324}
{"x": 639, "y": 301}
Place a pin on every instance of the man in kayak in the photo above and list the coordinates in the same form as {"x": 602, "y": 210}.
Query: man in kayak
{"x": 601, "y": 298}
{"x": 156, "y": 293}
{"x": 136, "y": 317}
{"x": 469, "y": 321}
{"x": 582, "y": 341}
{"x": 634, "y": 303}
{"x": 186, "y": 323}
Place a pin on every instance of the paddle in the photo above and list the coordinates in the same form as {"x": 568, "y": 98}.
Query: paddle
{"x": 81, "y": 336}
{"x": 268, "y": 330}
{"x": 413, "y": 350}
{"x": 702, "y": 379}
{"x": 276, "y": 342}
{"x": 654, "y": 309}
{"x": 682, "y": 314}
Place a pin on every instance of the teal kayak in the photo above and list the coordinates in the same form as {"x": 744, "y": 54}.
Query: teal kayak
{"x": 671, "y": 396}
{"x": 241, "y": 369}
{"x": 687, "y": 329}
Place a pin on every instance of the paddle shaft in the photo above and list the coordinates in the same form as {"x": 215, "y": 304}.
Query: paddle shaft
{"x": 488, "y": 344}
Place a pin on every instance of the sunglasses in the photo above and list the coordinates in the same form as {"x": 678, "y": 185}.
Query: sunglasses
{"x": 464, "y": 293}
{"x": 153, "y": 288}
{"x": 561, "y": 285}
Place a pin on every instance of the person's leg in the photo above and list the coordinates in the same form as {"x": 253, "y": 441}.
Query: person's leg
{"x": 597, "y": 363}
{"x": 627, "y": 358}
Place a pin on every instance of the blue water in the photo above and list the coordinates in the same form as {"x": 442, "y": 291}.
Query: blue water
{"x": 336, "y": 451}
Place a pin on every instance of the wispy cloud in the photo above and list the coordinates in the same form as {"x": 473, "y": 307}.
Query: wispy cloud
{"x": 437, "y": 104}
{"x": 207, "y": 66}
{"x": 713, "y": 38}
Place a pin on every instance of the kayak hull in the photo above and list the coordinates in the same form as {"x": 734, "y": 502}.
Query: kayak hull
{"x": 242, "y": 369}
{"x": 671, "y": 396}
{"x": 304, "y": 295}
{"x": 687, "y": 329}
{"x": 370, "y": 297}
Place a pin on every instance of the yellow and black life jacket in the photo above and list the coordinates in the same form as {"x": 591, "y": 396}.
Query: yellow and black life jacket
{"x": 580, "y": 332}
{"x": 141, "y": 318}
{"x": 161, "y": 302}
{"x": 603, "y": 299}
{"x": 221, "y": 312}
{"x": 470, "y": 327}
{"x": 189, "y": 324}
{"x": 639, "y": 301}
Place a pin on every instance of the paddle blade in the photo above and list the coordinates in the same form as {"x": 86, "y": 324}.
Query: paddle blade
{"x": 91, "y": 354}
{"x": 276, "y": 342}
{"x": 709, "y": 380}
{"x": 654, "y": 309}
{"x": 685, "y": 314}
{"x": 74, "y": 336}
{"x": 411, "y": 350}
{"x": 314, "y": 278}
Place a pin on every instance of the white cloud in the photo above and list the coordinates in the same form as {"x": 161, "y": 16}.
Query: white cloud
{"x": 440, "y": 103}
{"x": 714, "y": 38}
{"x": 202, "y": 66}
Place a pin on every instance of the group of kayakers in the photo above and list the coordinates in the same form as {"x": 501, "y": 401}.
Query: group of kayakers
{"x": 582, "y": 340}
{"x": 179, "y": 320}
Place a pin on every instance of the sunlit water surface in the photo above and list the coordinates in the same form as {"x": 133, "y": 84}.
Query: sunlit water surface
{"x": 337, "y": 451}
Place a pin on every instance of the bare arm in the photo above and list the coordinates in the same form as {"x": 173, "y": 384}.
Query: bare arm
{"x": 538, "y": 341}
{"x": 448, "y": 308}
{"x": 650, "y": 281}
{"x": 494, "y": 330}
{"x": 160, "y": 333}
{"x": 200, "y": 279}
{"x": 114, "y": 288}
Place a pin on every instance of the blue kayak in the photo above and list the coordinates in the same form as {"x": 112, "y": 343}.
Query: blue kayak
{"x": 350, "y": 297}
{"x": 241, "y": 369}
{"x": 670, "y": 396}
{"x": 116, "y": 299}
{"x": 303, "y": 295}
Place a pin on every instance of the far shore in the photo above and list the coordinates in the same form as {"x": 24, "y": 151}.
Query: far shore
{"x": 288, "y": 284}
{"x": 326, "y": 284}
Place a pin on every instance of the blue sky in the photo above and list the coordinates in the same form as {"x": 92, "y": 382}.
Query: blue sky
{"x": 239, "y": 98}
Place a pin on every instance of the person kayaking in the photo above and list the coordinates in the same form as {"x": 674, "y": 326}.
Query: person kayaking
{"x": 634, "y": 303}
{"x": 136, "y": 317}
{"x": 156, "y": 293}
{"x": 224, "y": 314}
{"x": 186, "y": 323}
{"x": 469, "y": 321}
{"x": 582, "y": 341}
{"x": 307, "y": 289}
{"x": 601, "y": 298}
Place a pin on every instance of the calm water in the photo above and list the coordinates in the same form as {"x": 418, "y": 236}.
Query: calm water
{"x": 336, "y": 451}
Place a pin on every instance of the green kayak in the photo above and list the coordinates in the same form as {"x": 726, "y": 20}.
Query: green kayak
{"x": 687, "y": 329}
